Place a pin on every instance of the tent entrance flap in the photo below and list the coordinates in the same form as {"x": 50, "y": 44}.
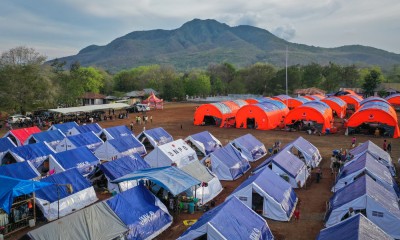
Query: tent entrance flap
{"x": 251, "y": 122}
{"x": 257, "y": 202}
{"x": 210, "y": 120}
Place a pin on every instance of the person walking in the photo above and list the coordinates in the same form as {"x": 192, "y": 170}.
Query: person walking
{"x": 151, "y": 119}
{"x": 384, "y": 147}
{"x": 131, "y": 126}
{"x": 389, "y": 147}
{"x": 353, "y": 142}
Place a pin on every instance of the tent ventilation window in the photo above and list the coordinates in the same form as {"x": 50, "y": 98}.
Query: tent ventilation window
{"x": 377, "y": 214}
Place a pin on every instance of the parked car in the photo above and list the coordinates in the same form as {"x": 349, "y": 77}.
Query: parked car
{"x": 17, "y": 117}
{"x": 138, "y": 107}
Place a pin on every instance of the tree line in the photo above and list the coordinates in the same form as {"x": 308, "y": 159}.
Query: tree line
{"x": 28, "y": 83}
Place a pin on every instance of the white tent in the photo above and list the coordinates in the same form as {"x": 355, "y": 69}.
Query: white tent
{"x": 177, "y": 152}
{"x": 250, "y": 147}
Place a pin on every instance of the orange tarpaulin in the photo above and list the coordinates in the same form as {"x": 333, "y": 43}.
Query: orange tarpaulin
{"x": 315, "y": 111}
{"x": 375, "y": 112}
{"x": 262, "y": 116}
{"x": 393, "y": 99}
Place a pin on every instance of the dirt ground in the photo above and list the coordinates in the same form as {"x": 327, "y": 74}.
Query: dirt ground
{"x": 177, "y": 119}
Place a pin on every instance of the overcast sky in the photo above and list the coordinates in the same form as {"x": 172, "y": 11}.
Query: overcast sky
{"x": 58, "y": 28}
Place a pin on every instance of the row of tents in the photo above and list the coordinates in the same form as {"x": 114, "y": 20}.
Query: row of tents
{"x": 270, "y": 113}
{"x": 366, "y": 184}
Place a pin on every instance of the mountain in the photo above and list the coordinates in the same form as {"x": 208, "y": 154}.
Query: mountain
{"x": 198, "y": 43}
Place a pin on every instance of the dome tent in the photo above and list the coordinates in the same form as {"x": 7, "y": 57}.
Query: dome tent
{"x": 220, "y": 114}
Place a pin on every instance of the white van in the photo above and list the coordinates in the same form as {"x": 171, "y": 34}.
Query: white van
{"x": 142, "y": 107}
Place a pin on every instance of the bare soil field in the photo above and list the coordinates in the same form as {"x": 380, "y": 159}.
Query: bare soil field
{"x": 177, "y": 119}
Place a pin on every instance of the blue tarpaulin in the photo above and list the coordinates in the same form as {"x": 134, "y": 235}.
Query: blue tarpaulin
{"x": 271, "y": 187}
{"x": 122, "y": 166}
{"x": 228, "y": 163}
{"x": 64, "y": 127}
{"x": 172, "y": 179}
{"x": 13, "y": 187}
{"x": 230, "y": 220}
{"x": 21, "y": 170}
{"x": 156, "y": 136}
{"x": 81, "y": 158}
{"x": 71, "y": 176}
{"x": 124, "y": 144}
{"x": 355, "y": 228}
{"x": 6, "y": 144}
{"x": 205, "y": 142}
{"x": 117, "y": 132}
{"x": 84, "y": 139}
{"x": 47, "y": 136}
{"x": 35, "y": 153}
{"x": 93, "y": 127}
{"x": 250, "y": 147}
{"x": 141, "y": 211}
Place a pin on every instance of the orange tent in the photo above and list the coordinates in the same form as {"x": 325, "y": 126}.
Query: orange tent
{"x": 376, "y": 112}
{"x": 314, "y": 97}
{"x": 18, "y": 136}
{"x": 154, "y": 102}
{"x": 353, "y": 101}
{"x": 220, "y": 114}
{"x": 373, "y": 99}
{"x": 393, "y": 99}
{"x": 315, "y": 111}
{"x": 295, "y": 102}
{"x": 337, "y": 105}
{"x": 262, "y": 116}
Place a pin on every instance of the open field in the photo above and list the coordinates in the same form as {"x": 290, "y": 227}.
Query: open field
{"x": 313, "y": 197}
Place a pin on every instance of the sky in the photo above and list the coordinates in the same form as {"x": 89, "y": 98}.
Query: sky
{"x": 58, "y": 28}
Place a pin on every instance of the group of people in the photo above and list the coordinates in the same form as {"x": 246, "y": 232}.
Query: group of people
{"x": 339, "y": 158}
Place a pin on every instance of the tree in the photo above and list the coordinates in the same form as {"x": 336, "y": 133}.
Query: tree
{"x": 371, "y": 82}
{"x": 312, "y": 75}
{"x": 26, "y": 82}
{"x": 258, "y": 77}
{"x": 197, "y": 83}
{"x": 221, "y": 76}
{"x": 332, "y": 74}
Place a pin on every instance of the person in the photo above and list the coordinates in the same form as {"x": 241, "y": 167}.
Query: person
{"x": 377, "y": 133}
{"x": 353, "y": 142}
{"x": 384, "y": 147}
{"x": 389, "y": 147}
{"x": 333, "y": 163}
{"x": 351, "y": 212}
{"x": 296, "y": 214}
{"x": 131, "y": 126}
{"x": 151, "y": 119}
{"x": 319, "y": 174}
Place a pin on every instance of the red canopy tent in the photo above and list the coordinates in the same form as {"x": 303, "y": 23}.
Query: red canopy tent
{"x": 154, "y": 102}
{"x": 18, "y": 136}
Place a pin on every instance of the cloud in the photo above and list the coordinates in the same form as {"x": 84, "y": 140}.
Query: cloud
{"x": 286, "y": 32}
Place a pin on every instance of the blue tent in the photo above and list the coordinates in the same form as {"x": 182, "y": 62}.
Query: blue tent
{"x": 156, "y": 137}
{"x": 279, "y": 198}
{"x": 230, "y": 220}
{"x": 47, "y": 198}
{"x": 286, "y": 164}
{"x": 5, "y": 145}
{"x": 13, "y": 187}
{"x": 119, "y": 147}
{"x": 81, "y": 158}
{"x": 21, "y": 170}
{"x": 93, "y": 127}
{"x": 228, "y": 163}
{"x": 63, "y": 127}
{"x": 306, "y": 150}
{"x": 354, "y": 228}
{"x": 115, "y": 132}
{"x": 380, "y": 205}
{"x": 35, "y": 153}
{"x": 205, "y": 142}
{"x": 121, "y": 167}
{"x": 88, "y": 139}
{"x": 250, "y": 147}
{"x": 172, "y": 179}
{"x": 382, "y": 156}
{"x": 51, "y": 137}
{"x": 365, "y": 164}
{"x": 144, "y": 214}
